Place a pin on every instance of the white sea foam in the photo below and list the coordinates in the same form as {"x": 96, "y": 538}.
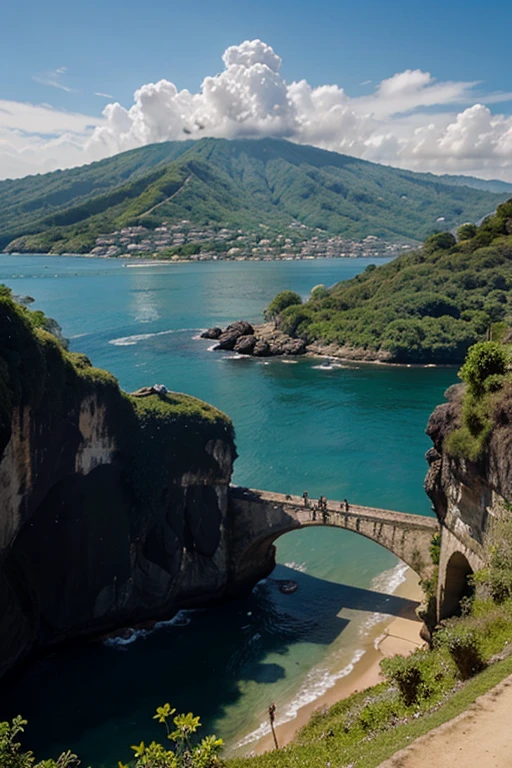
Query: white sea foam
{"x": 317, "y": 682}
{"x": 130, "y": 341}
{"x": 301, "y": 567}
{"x": 181, "y": 619}
{"x": 323, "y": 367}
{"x": 386, "y": 582}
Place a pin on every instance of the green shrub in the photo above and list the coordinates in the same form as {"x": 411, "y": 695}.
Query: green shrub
{"x": 465, "y": 648}
{"x": 435, "y": 548}
{"x": 280, "y": 302}
{"x": 408, "y": 674}
{"x": 487, "y": 358}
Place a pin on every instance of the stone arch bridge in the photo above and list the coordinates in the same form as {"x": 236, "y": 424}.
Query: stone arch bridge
{"x": 258, "y": 518}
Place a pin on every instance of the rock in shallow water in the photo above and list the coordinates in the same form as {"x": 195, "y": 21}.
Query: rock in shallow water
{"x": 229, "y": 337}
{"x": 245, "y": 345}
{"x": 211, "y": 333}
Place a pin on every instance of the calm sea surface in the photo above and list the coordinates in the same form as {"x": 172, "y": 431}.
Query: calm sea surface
{"x": 355, "y": 432}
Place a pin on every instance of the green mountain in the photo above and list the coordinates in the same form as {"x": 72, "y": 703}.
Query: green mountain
{"x": 488, "y": 185}
{"x": 239, "y": 183}
{"x": 427, "y": 306}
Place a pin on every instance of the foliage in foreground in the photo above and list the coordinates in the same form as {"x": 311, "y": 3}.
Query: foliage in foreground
{"x": 182, "y": 753}
{"x": 429, "y": 306}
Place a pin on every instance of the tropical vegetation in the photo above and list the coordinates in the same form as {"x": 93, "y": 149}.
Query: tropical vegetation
{"x": 428, "y": 306}
{"x": 262, "y": 185}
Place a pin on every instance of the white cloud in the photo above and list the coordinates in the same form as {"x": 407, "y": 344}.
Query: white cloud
{"x": 410, "y": 119}
{"x": 54, "y": 79}
{"x": 103, "y": 95}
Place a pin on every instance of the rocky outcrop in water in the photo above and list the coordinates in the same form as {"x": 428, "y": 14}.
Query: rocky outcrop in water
{"x": 113, "y": 509}
{"x": 259, "y": 341}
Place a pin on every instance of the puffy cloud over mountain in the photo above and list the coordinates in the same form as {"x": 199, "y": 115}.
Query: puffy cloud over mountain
{"x": 410, "y": 120}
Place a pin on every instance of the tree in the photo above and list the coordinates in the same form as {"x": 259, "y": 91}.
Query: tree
{"x": 466, "y": 231}
{"x": 441, "y": 241}
{"x": 484, "y": 359}
{"x": 319, "y": 292}
{"x": 281, "y": 301}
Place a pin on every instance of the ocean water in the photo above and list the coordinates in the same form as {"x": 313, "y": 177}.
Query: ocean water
{"x": 354, "y": 431}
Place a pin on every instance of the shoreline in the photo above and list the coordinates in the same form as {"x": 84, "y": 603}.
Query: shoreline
{"x": 153, "y": 261}
{"x": 397, "y": 635}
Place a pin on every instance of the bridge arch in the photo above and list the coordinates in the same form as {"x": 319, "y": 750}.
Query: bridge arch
{"x": 261, "y": 517}
{"x": 456, "y": 585}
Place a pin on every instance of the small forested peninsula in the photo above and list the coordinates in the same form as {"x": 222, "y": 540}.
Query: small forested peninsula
{"x": 425, "y": 307}
{"x": 114, "y": 506}
{"x": 213, "y": 195}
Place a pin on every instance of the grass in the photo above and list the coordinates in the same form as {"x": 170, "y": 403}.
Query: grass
{"x": 158, "y": 437}
{"x": 318, "y": 745}
{"x": 421, "y": 691}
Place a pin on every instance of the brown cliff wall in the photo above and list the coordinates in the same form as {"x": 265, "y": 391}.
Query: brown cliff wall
{"x": 113, "y": 509}
{"x": 465, "y": 495}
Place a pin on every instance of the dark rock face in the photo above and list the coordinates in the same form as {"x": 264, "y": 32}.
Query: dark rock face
{"x": 245, "y": 345}
{"x": 229, "y": 337}
{"x": 79, "y": 556}
{"x": 261, "y": 348}
{"x": 288, "y": 347}
{"x": 211, "y": 333}
{"x": 264, "y": 341}
{"x": 113, "y": 508}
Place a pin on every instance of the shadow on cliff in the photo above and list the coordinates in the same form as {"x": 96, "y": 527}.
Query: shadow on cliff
{"x": 97, "y": 700}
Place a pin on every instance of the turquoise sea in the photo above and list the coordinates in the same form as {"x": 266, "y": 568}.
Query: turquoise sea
{"x": 354, "y": 431}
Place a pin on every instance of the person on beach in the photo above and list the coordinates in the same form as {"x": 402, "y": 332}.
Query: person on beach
{"x": 305, "y": 496}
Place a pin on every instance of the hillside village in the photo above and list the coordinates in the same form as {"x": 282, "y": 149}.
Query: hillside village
{"x": 185, "y": 240}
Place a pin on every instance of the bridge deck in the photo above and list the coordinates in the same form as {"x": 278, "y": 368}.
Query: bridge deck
{"x": 295, "y": 504}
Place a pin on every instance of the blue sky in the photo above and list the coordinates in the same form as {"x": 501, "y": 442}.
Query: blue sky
{"x": 63, "y": 53}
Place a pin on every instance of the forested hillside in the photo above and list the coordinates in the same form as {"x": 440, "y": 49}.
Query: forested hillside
{"x": 428, "y": 306}
{"x": 242, "y": 183}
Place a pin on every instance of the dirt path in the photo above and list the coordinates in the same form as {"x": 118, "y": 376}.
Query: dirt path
{"x": 481, "y": 737}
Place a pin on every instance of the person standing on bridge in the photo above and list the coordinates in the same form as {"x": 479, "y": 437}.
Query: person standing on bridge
{"x": 346, "y": 505}
{"x": 305, "y": 496}
{"x": 313, "y": 512}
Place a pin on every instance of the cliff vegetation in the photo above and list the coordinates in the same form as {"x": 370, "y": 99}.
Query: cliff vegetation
{"x": 113, "y": 506}
{"x": 428, "y": 306}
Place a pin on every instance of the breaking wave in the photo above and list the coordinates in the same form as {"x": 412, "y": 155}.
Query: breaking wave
{"x": 181, "y": 619}
{"x": 130, "y": 341}
{"x": 317, "y": 682}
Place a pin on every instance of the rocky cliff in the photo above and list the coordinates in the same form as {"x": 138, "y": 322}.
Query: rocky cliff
{"x": 113, "y": 508}
{"x": 466, "y": 494}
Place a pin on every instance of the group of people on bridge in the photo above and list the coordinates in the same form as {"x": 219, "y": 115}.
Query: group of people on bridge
{"x": 320, "y": 507}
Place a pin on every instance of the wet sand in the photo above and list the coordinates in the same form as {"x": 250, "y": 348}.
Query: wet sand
{"x": 398, "y": 635}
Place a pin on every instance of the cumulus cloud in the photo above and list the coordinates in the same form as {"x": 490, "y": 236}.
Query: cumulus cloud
{"x": 410, "y": 119}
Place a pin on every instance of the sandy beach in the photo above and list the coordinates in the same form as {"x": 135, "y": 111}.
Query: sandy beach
{"x": 398, "y": 635}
